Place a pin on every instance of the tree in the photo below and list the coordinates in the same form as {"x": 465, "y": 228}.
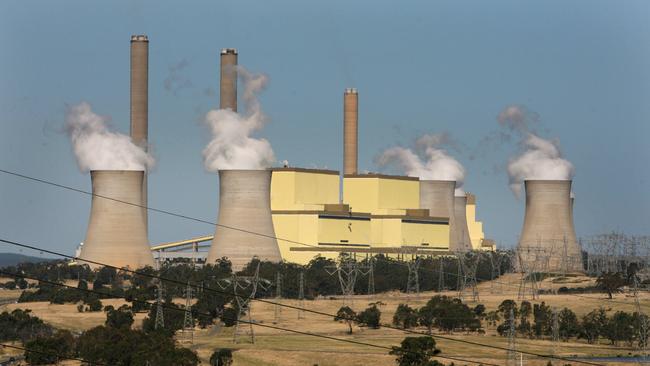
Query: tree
{"x": 221, "y": 357}
{"x": 594, "y": 325}
{"x": 370, "y": 317}
{"x": 347, "y": 315}
{"x": 620, "y": 327}
{"x": 49, "y": 350}
{"x": 416, "y": 351}
{"x": 405, "y": 317}
{"x": 610, "y": 282}
{"x": 542, "y": 319}
{"x": 94, "y": 304}
{"x": 568, "y": 323}
{"x": 119, "y": 318}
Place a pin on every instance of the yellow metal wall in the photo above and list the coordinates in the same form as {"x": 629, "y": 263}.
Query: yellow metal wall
{"x": 300, "y": 190}
{"x": 343, "y": 231}
{"x": 393, "y": 232}
{"x": 381, "y": 195}
{"x": 475, "y": 227}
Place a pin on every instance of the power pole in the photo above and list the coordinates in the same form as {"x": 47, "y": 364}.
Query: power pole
{"x": 413, "y": 281}
{"x": 301, "y": 295}
{"x": 278, "y": 296}
{"x": 160, "y": 319}
{"x": 188, "y": 321}
{"x": 441, "y": 274}
{"x": 371, "y": 279}
{"x": 555, "y": 330}
{"x": 512, "y": 346}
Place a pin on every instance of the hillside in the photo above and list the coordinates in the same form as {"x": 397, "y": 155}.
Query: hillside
{"x": 11, "y": 259}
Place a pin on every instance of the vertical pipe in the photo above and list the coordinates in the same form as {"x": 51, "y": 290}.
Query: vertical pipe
{"x": 140, "y": 103}
{"x": 350, "y": 130}
{"x": 228, "y": 84}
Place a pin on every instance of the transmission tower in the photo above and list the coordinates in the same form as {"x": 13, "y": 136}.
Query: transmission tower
{"x": 347, "y": 270}
{"x": 528, "y": 281}
{"x": 467, "y": 275}
{"x": 511, "y": 359}
{"x": 278, "y": 296}
{"x": 371, "y": 279}
{"x": 188, "y": 321}
{"x": 160, "y": 319}
{"x": 301, "y": 295}
{"x": 244, "y": 289}
{"x": 413, "y": 281}
{"x": 496, "y": 260}
{"x": 441, "y": 274}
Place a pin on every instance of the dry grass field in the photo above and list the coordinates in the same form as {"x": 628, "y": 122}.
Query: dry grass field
{"x": 277, "y": 347}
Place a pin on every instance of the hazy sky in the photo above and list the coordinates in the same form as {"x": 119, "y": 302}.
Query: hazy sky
{"x": 425, "y": 67}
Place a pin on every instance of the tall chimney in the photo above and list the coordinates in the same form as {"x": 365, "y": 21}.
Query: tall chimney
{"x": 228, "y": 84}
{"x": 350, "y": 130}
{"x": 548, "y": 230}
{"x": 438, "y": 197}
{"x": 116, "y": 232}
{"x": 140, "y": 103}
{"x": 244, "y": 204}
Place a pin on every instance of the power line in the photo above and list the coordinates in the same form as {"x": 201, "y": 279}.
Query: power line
{"x": 166, "y": 212}
{"x": 233, "y": 319}
{"x": 294, "y": 307}
{"x": 59, "y": 356}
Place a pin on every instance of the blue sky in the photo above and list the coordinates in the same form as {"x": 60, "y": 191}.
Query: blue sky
{"x": 420, "y": 67}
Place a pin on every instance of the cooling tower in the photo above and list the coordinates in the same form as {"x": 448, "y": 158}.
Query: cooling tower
{"x": 140, "y": 101}
{"x": 461, "y": 238}
{"x": 350, "y": 130}
{"x": 244, "y": 203}
{"x": 438, "y": 197}
{"x": 228, "y": 83}
{"x": 116, "y": 230}
{"x": 548, "y": 235}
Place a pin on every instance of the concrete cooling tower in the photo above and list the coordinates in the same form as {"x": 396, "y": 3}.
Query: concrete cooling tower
{"x": 244, "y": 203}
{"x": 116, "y": 230}
{"x": 548, "y": 239}
{"x": 462, "y": 240}
{"x": 438, "y": 197}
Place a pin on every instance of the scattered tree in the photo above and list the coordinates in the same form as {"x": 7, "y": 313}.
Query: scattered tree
{"x": 347, "y": 315}
{"x": 416, "y": 351}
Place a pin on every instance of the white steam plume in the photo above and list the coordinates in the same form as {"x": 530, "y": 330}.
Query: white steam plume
{"x": 97, "y": 148}
{"x": 539, "y": 159}
{"x": 427, "y": 161}
{"x": 232, "y": 146}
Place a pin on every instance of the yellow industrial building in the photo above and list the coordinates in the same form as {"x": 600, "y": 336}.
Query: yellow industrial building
{"x": 376, "y": 212}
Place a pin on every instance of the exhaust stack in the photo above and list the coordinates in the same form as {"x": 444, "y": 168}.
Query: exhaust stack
{"x": 117, "y": 233}
{"x": 548, "y": 232}
{"x": 438, "y": 197}
{"x": 461, "y": 230}
{"x": 140, "y": 103}
{"x": 228, "y": 84}
{"x": 350, "y": 130}
{"x": 244, "y": 203}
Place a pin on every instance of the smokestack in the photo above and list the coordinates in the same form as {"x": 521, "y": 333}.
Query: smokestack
{"x": 548, "y": 226}
{"x": 116, "y": 232}
{"x": 140, "y": 103}
{"x": 244, "y": 203}
{"x": 228, "y": 85}
{"x": 438, "y": 197}
{"x": 461, "y": 230}
{"x": 350, "y": 130}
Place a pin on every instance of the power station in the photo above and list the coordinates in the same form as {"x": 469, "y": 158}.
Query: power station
{"x": 295, "y": 214}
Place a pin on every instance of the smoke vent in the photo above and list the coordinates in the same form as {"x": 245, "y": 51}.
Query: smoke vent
{"x": 140, "y": 102}
{"x": 350, "y": 130}
{"x": 116, "y": 230}
{"x": 228, "y": 84}
{"x": 438, "y": 197}
{"x": 548, "y": 236}
{"x": 244, "y": 203}
{"x": 461, "y": 239}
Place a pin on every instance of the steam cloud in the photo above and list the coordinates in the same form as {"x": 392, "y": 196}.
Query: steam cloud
{"x": 427, "y": 161}
{"x": 232, "y": 146}
{"x": 96, "y": 147}
{"x": 539, "y": 158}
